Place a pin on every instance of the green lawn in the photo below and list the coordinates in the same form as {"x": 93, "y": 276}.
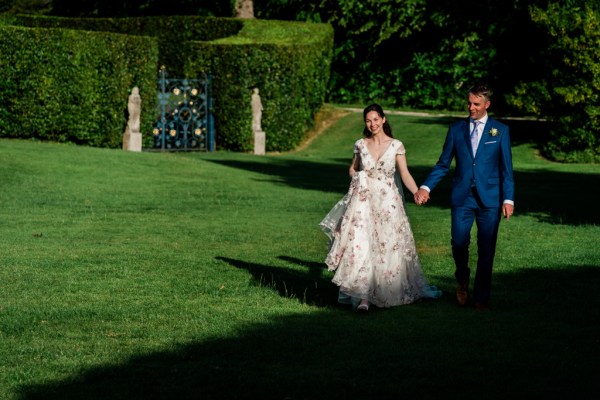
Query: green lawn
{"x": 200, "y": 276}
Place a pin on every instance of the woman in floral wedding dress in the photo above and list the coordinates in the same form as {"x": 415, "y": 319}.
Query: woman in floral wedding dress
{"x": 372, "y": 249}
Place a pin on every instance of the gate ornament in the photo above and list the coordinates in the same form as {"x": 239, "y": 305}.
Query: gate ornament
{"x": 185, "y": 122}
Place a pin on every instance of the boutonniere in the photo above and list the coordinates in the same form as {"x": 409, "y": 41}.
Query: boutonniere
{"x": 494, "y": 132}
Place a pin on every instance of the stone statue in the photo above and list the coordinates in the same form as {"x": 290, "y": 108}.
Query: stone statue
{"x": 257, "y": 132}
{"x": 134, "y": 108}
{"x": 257, "y": 109}
{"x": 132, "y": 138}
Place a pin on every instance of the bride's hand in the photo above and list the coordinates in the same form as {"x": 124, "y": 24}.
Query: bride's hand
{"x": 421, "y": 196}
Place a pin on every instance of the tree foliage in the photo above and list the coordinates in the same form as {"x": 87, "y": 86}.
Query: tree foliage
{"x": 574, "y": 29}
{"x": 366, "y": 30}
{"x": 417, "y": 53}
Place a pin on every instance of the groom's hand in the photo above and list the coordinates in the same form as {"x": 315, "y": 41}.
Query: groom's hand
{"x": 507, "y": 210}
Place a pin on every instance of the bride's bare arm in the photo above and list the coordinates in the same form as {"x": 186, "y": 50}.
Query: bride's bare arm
{"x": 407, "y": 178}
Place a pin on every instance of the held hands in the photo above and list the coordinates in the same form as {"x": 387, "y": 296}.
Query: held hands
{"x": 421, "y": 197}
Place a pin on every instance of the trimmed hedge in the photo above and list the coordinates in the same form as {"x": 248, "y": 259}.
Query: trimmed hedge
{"x": 72, "y": 86}
{"x": 288, "y": 61}
{"x": 172, "y": 33}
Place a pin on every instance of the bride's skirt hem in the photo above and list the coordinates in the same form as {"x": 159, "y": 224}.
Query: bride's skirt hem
{"x": 348, "y": 296}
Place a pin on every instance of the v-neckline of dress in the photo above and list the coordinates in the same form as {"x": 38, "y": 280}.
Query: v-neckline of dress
{"x": 382, "y": 153}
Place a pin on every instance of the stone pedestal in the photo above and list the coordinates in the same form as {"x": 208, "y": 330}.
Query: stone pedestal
{"x": 259, "y": 142}
{"x": 132, "y": 141}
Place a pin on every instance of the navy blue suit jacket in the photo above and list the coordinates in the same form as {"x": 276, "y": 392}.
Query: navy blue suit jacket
{"x": 490, "y": 170}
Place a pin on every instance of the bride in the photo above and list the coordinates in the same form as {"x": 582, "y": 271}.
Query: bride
{"x": 371, "y": 248}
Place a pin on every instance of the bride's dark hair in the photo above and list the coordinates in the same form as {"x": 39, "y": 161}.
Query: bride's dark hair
{"x": 387, "y": 129}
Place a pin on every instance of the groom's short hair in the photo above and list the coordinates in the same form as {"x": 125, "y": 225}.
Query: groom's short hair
{"x": 480, "y": 89}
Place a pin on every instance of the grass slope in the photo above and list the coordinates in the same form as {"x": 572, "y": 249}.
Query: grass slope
{"x": 200, "y": 276}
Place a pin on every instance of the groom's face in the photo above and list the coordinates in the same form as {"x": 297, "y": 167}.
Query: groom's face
{"x": 478, "y": 106}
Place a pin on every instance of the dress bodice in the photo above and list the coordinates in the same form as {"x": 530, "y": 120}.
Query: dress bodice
{"x": 385, "y": 165}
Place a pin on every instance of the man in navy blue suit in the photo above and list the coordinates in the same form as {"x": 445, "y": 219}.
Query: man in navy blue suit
{"x": 482, "y": 191}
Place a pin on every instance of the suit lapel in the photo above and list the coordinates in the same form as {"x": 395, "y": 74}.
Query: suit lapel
{"x": 481, "y": 146}
{"x": 485, "y": 136}
{"x": 486, "y": 129}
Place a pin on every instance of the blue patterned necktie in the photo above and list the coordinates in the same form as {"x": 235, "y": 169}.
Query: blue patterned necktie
{"x": 474, "y": 137}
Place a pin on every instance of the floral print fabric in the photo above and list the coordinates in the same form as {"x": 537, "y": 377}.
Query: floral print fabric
{"x": 372, "y": 249}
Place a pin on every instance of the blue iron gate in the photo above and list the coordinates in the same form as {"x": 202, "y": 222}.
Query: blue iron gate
{"x": 186, "y": 121}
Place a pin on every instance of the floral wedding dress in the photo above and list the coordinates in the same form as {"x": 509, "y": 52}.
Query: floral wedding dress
{"x": 372, "y": 249}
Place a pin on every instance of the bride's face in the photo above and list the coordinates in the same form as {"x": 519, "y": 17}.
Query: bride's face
{"x": 374, "y": 122}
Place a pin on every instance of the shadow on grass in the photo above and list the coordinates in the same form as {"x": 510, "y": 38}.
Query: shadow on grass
{"x": 324, "y": 177}
{"x": 544, "y": 194}
{"x": 539, "y": 340}
{"x": 310, "y": 287}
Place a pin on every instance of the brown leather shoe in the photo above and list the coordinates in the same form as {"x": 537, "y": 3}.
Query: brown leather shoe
{"x": 462, "y": 294}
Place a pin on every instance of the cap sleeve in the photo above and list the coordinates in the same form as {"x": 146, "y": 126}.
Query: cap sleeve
{"x": 400, "y": 150}
{"x": 357, "y": 146}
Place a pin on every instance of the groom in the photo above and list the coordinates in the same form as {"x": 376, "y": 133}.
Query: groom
{"x": 482, "y": 191}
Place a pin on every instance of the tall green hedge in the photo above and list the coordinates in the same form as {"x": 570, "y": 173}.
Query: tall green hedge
{"x": 71, "y": 85}
{"x": 172, "y": 33}
{"x": 288, "y": 61}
